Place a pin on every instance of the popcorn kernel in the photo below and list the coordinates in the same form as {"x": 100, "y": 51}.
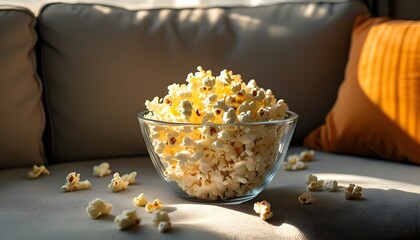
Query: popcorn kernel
{"x": 73, "y": 183}
{"x": 264, "y": 209}
{"x": 117, "y": 183}
{"x": 305, "y": 198}
{"x": 140, "y": 200}
{"x": 353, "y": 192}
{"x": 128, "y": 218}
{"x": 156, "y": 205}
{"x": 98, "y": 207}
{"x": 101, "y": 170}
{"x": 130, "y": 177}
{"x": 38, "y": 171}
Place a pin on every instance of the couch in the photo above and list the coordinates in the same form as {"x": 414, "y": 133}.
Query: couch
{"x": 74, "y": 76}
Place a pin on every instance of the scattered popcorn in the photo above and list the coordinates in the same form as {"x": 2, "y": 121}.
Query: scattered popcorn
{"x": 331, "y": 186}
{"x": 98, "y": 207}
{"x": 293, "y": 163}
{"x": 293, "y": 159}
{"x": 38, "y": 171}
{"x": 128, "y": 218}
{"x": 353, "y": 192}
{"x": 311, "y": 178}
{"x": 160, "y": 216}
{"x": 164, "y": 226}
{"x": 117, "y": 183}
{"x": 155, "y": 206}
{"x": 307, "y": 156}
{"x": 140, "y": 201}
{"x": 316, "y": 186}
{"x": 161, "y": 220}
{"x": 296, "y": 161}
{"x": 201, "y": 160}
{"x": 101, "y": 170}
{"x": 130, "y": 178}
{"x": 73, "y": 183}
{"x": 264, "y": 209}
{"x": 266, "y": 215}
{"x": 305, "y": 198}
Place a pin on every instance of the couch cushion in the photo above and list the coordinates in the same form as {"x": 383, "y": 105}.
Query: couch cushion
{"x": 377, "y": 109}
{"x": 390, "y": 208}
{"x": 22, "y": 116}
{"x": 101, "y": 63}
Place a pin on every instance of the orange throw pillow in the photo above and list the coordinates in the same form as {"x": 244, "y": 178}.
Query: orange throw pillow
{"x": 377, "y": 111}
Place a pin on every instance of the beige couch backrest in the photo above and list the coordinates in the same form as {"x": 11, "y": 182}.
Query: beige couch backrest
{"x": 22, "y": 118}
{"x": 100, "y": 63}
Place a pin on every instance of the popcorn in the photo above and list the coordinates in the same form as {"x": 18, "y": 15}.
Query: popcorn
{"x": 155, "y": 206}
{"x": 225, "y": 77}
{"x": 101, "y": 170}
{"x": 130, "y": 178}
{"x": 264, "y": 209}
{"x": 160, "y": 216}
{"x": 211, "y": 99}
{"x": 73, "y": 183}
{"x": 182, "y": 156}
{"x": 159, "y": 146}
{"x": 161, "y": 220}
{"x": 164, "y": 226}
{"x": 331, "y": 186}
{"x": 188, "y": 142}
{"x": 293, "y": 163}
{"x": 307, "y": 155}
{"x": 305, "y": 198}
{"x": 353, "y": 192}
{"x": 311, "y": 178}
{"x": 186, "y": 108}
{"x": 293, "y": 159}
{"x": 117, "y": 183}
{"x": 128, "y": 218}
{"x": 38, "y": 171}
{"x": 316, "y": 186}
{"x": 230, "y": 116}
{"x": 140, "y": 201}
{"x": 209, "y": 93}
{"x": 98, "y": 207}
{"x": 221, "y": 105}
{"x": 209, "y": 82}
{"x": 202, "y": 159}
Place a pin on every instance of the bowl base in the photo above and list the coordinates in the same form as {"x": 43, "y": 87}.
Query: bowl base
{"x": 229, "y": 201}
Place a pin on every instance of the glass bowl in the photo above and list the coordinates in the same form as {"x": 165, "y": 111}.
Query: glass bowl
{"x": 217, "y": 163}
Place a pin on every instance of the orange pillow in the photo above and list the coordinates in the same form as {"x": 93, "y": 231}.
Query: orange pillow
{"x": 377, "y": 111}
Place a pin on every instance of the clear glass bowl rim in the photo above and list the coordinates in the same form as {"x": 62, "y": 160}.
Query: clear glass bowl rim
{"x": 292, "y": 116}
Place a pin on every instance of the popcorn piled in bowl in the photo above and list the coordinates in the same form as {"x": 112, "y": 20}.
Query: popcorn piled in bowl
{"x": 217, "y": 138}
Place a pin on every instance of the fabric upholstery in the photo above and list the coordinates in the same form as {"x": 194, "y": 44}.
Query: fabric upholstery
{"x": 377, "y": 112}
{"x": 21, "y": 112}
{"x": 390, "y": 208}
{"x": 101, "y": 63}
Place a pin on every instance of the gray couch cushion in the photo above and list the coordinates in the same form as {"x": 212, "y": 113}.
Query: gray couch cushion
{"x": 21, "y": 113}
{"x": 101, "y": 63}
{"x": 390, "y": 209}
